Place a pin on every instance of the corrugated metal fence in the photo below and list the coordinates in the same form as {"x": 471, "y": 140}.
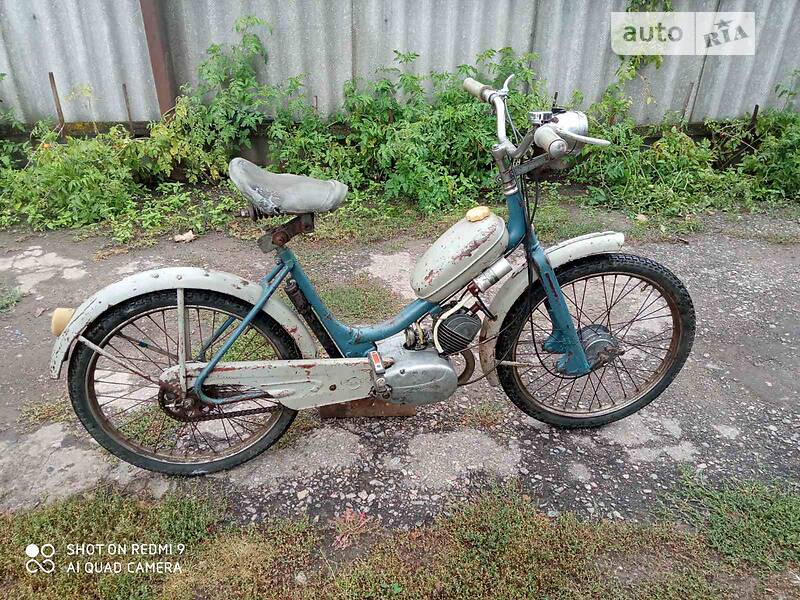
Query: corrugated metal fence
{"x": 94, "y": 46}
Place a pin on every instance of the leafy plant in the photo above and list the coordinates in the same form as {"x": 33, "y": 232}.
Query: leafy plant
{"x": 787, "y": 89}
{"x": 776, "y": 162}
{"x": 405, "y": 142}
{"x": 79, "y": 182}
{"x": 9, "y": 296}
{"x": 10, "y": 151}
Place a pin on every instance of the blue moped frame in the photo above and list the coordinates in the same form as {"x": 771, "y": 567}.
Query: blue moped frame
{"x": 359, "y": 341}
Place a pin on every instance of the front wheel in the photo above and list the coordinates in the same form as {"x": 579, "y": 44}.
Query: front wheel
{"x": 117, "y": 396}
{"x": 634, "y": 304}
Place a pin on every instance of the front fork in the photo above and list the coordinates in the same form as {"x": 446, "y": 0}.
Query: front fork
{"x": 564, "y": 338}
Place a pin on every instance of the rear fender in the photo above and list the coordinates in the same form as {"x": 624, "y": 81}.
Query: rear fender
{"x": 559, "y": 255}
{"x": 173, "y": 278}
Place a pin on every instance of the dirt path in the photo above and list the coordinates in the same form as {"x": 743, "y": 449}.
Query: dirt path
{"x": 733, "y": 411}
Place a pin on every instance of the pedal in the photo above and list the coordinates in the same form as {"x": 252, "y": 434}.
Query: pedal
{"x": 378, "y": 375}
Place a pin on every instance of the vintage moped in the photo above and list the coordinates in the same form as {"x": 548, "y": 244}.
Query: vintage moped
{"x": 189, "y": 371}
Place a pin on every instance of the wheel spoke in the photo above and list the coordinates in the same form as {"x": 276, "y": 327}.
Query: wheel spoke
{"x": 630, "y": 306}
{"x": 124, "y": 386}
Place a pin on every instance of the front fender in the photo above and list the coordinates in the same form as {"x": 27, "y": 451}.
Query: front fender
{"x": 172, "y": 278}
{"x": 513, "y": 288}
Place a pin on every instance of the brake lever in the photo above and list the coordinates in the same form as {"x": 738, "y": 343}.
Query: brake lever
{"x": 581, "y": 138}
{"x": 503, "y": 91}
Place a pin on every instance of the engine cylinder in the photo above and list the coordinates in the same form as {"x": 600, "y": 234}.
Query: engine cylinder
{"x": 455, "y": 332}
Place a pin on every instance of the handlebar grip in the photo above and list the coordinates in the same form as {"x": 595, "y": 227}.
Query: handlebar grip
{"x": 549, "y": 141}
{"x": 475, "y": 87}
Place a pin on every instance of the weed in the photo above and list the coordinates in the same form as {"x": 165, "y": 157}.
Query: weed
{"x": 746, "y": 522}
{"x": 35, "y": 414}
{"x": 9, "y": 296}
{"x": 68, "y": 185}
{"x": 483, "y": 415}
{"x": 350, "y": 525}
{"x": 361, "y": 298}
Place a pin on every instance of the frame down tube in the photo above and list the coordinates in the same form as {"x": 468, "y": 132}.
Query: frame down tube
{"x": 563, "y": 339}
{"x": 354, "y": 342}
{"x": 270, "y": 283}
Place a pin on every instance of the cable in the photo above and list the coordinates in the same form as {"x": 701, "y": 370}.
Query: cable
{"x": 517, "y": 135}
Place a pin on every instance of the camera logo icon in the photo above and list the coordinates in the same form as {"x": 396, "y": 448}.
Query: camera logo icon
{"x": 39, "y": 559}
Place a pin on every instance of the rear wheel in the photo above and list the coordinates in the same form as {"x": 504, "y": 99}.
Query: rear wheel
{"x": 626, "y": 300}
{"x": 123, "y": 407}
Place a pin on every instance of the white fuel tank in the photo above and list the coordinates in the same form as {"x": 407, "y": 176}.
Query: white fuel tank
{"x": 461, "y": 253}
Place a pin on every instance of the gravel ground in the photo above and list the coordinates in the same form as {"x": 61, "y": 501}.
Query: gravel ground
{"x": 732, "y": 412}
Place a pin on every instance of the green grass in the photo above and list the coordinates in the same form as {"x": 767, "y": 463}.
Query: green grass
{"x": 36, "y": 414}
{"x": 499, "y": 546}
{"x": 102, "y": 518}
{"x": 8, "y": 298}
{"x": 749, "y": 523}
{"x": 361, "y": 299}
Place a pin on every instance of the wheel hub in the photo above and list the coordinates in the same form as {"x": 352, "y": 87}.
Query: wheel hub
{"x": 185, "y": 408}
{"x": 599, "y": 345}
{"x": 189, "y": 408}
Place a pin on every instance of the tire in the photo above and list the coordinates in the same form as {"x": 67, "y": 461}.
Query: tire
{"x": 84, "y": 395}
{"x": 682, "y": 317}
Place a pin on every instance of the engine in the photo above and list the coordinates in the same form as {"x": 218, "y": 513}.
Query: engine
{"x": 416, "y": 368}
{"x": 454, "y": 332}
{"x": 416, "y": 376}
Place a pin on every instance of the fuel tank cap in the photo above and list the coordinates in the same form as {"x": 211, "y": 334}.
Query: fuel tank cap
{"x": 478, "y": 213}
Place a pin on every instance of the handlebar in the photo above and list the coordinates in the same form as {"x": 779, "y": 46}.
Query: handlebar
{"x": 550, "y": 141}
{"x": 549, "y": 136}
{"x": 476, "y": 88}
{"x": 497, "y": 97}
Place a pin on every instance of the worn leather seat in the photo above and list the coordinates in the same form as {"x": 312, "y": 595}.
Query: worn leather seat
{"x": 278, "y": 194}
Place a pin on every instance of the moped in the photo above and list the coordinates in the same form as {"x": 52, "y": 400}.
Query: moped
{"x": 189, "y": 371}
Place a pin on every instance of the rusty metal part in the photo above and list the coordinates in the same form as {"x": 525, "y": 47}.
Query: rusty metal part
{"x": 57, "y": 102}
{"x": 367, "y": 407}
{"x": 461, "y": 253}
{"x": 195, "y": 413}
{"x": 279, "y": 236}
{"x": 294, "y": 383}
{"x": 469, "y": 367}
{"x": 128, "y": 107}
{"x": 158, "y": 50}
{"x": 298, "y": 299}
